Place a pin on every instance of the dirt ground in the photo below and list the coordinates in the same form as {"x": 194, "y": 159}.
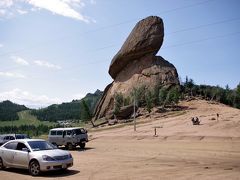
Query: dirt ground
{"x": 180, "y": 151}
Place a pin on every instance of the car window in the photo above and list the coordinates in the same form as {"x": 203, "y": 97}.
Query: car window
{"x": 19, "y": 136}
{"x": 6, "y": 138}
{"x": 53, "y": 133}
{"x": 40, "y": 145}
{"x": 69, "y": 132}
{"x": 59, "y": 133}
{"x": 20, "y": 146}
{"x": 11, "y": 145}
{"x": 79, "y": 131}
{"x": 11, "y": 137}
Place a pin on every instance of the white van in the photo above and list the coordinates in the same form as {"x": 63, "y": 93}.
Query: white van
{"x": 69, "y": 137}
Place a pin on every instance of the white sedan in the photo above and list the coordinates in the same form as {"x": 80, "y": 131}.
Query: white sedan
{"x": 34, "y": 154}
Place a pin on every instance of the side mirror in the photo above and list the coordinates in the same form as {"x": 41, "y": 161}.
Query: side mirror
{"x": 25, "y": 150}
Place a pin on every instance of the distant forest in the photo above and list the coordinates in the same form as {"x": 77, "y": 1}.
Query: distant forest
{"x": 9, "y": 110}
{"x": 225, "y": 95}
{"x": 77, "y": 109}
{"x": 83, "y": 109}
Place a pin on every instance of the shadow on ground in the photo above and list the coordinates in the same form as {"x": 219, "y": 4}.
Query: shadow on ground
{"x": 53, "y": 174}
{"x": 78, "y": 149}
{"x": 62, "y": 173}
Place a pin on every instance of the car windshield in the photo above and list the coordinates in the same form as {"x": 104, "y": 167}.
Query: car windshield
{"x": 40, "y": 145}
{"x": 79, "y": 131}
{"x": 21, "y": 136}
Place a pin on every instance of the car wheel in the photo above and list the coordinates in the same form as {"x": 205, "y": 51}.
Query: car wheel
{"x": 69, "y": 146}
{"x": 82, "y": 145}
{"x": 34, "y": 168}
{"x": 1, "y": 164}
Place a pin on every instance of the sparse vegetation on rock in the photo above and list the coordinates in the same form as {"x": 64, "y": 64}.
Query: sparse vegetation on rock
{"x": 136, "y": 69}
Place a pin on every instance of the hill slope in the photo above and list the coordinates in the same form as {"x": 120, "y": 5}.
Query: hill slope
{"x": 9, "y": 110}
{"x": 178, "y": 125}
{"x": 66, "y": 111}
{"x": 26, "y": 118}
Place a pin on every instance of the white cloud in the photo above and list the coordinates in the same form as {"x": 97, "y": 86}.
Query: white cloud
{"x": 31, "y": 100}
{"x": 1, "y": 45}
{"x": 76, "y": 3}
{"x": 47, "y": 65}
{"x": 20, "y": 60}
{"x": 2, "y": 12}
{"x": 67, "y": 8}
{"x": 60, "y": 7}
{"x": 5, "y": 8}
{"x": 20, "y": 11}
{"x": 6, "y": 3}
{"x": 11, "y": 75}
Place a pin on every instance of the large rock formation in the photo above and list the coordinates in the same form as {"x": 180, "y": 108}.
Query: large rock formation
{"x": 136, "y": 65}
{"x": 145, "y": 38}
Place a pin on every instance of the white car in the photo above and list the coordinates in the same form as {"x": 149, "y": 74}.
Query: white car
{"x": 34, "y": 154}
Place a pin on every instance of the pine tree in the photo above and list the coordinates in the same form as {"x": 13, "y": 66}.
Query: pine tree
{"x": 149, "y": 100}
{"x": 237, "y": 99}
{"x": 162, "y": 96}
{"x": 85, "y": 112}
{"x": 172, "y": 96}
{"x": 118, "y": 102}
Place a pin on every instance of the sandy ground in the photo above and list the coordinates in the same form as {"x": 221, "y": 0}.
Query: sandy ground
{"x": 180, "y": 151}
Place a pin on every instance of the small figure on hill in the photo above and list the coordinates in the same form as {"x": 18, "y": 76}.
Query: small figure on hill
{"x": 217, "y": 116}
{"x": 195, "y": 121}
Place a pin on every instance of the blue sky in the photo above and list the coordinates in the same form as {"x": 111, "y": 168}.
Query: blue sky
{"x": 53, "y": 51}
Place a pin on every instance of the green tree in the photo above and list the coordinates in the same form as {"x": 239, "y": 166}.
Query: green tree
{"x": 138, "y": 93}
{"x": 162, "y": 96}
{"x": 9, "y": 110}
{"x": 188, "y": 86}
{"x": 237, "y": 98}
{"x": 172, "y": 96}
{"x": 126, "y": 101}
{"x": 118, "y": 102}
{"x": 149, "y": 100}
{"x": 155, "y": 94}
{"x": 176, "y": 95}
{"x": 85, "y": 111}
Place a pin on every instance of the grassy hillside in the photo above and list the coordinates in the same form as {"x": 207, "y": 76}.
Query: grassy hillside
{"x": 25, "y": 118}
{"x": 68, "y": 111}
{"x": 29, "y": 124}
{"x": 9, "y": 110}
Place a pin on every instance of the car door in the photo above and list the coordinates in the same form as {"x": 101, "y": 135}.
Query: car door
{"x": 8, "y": 151}
{"x": 21, "y": 156}
{"x": 59, "y": 137}
{"x": 68, "y": 137}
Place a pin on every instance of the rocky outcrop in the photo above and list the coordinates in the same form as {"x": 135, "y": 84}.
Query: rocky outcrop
{"x": 145, "y": 38}
{"x": 125, "y": 112}
{"x": 136, "y": 65}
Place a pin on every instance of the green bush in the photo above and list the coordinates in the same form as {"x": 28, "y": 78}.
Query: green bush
{"x": 118, "y": 103}
{"x": 162, "y": 96}
{"x": 149, "y": 99}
